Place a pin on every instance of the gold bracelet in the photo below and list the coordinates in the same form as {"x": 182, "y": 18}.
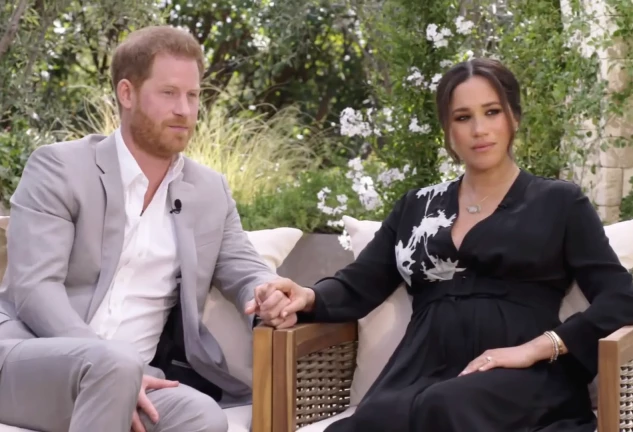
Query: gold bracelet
{"x": 559, "y": 341}
{"x": 553, "y": 337}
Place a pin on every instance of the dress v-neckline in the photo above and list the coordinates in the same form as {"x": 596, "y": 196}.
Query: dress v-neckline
{"x": 503, "y": 204}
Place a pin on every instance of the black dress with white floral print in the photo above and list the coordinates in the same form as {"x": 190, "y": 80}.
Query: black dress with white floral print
{"x": 501, "y": 288}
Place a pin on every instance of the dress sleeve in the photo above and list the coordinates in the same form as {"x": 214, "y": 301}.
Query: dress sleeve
{"x": 357, "y": 289}
{"x": 602, "y": 279}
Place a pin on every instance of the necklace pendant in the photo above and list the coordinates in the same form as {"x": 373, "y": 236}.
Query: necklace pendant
{"x": 472, "y": 209}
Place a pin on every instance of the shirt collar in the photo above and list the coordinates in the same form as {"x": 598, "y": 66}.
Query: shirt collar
{"x": 130, "y": 170}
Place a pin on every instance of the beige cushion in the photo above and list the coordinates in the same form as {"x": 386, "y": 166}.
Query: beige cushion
{"x": 320, "y": 426}
{"x": 380, "y": 332}
{"x": 220, "y": 315}
{"x": 239, "y": 418}
{"x": 5, "y": 428}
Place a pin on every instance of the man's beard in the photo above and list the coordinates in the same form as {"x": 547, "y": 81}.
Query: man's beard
{"x": 159, "y": 139}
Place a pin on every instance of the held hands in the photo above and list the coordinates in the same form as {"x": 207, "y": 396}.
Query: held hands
{"x": 278, "y": 302}
{"x": 144, "y": 404}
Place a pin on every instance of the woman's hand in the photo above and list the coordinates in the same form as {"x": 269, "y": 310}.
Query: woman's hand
{"x": 518, "y": 357}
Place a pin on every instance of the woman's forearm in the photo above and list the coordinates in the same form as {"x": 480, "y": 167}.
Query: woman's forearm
{"x": 543, "y": 348}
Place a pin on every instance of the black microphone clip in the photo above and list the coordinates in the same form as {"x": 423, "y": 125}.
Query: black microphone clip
{"x": 177, "y": 207}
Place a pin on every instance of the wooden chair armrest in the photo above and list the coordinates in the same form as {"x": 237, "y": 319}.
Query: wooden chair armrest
{"x": 313, "y": 366}
{"x": 615, "y": 381}
{"x": 262, "y": 379}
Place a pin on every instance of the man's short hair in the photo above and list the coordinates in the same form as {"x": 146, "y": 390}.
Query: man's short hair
{"x": 133, "y": 59}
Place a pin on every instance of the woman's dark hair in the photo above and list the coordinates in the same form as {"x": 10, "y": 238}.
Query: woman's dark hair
{"x": 502, "y": 80}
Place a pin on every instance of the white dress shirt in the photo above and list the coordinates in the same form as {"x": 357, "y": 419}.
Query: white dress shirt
{"x": 143, "y": 289}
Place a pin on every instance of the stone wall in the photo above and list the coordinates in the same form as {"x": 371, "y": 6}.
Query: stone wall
{"x": 606, "y": 173}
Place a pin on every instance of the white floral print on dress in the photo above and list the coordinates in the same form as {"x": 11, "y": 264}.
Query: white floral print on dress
{"x": 439, "y": 269}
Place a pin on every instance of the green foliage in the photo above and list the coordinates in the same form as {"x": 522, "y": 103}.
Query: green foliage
{"x": 272, "y": 55}
{"x": 414, "y": 43}
{"x": 294, "y": 204}
{"x": 269, "y": 55}
{"x": 626, "y": 206}
{"x": 60, "y": 48}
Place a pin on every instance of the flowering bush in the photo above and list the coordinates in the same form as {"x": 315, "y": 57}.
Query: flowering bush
{"x": 413, "y": 43}
{"x": 408, "y": 45}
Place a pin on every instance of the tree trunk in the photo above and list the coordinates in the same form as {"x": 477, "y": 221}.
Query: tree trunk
{"x": 12, "y": 29}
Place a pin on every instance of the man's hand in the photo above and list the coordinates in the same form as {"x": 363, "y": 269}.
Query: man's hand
{"x": 149, "y": 383}
{"x": 277, "y": 302}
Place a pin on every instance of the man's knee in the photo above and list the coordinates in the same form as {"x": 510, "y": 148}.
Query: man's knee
{"x": 203, "y": 413}
{"x": 114, "y": 360}
{"x": 183, "y": 408}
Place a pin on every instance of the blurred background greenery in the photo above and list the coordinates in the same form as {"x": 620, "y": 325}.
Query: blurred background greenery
{"x": 316, "y": 108}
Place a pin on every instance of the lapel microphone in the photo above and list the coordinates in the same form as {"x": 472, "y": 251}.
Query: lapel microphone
{"x": 177, "y": 207}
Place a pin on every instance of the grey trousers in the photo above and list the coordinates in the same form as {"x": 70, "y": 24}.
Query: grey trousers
{"x": 79, "y": 385}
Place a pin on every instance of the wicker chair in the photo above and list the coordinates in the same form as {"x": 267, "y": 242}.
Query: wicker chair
{"x": 313, "y": 366}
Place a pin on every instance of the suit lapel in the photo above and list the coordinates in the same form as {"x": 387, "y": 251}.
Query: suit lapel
{"x": 114, "y": 219}
{"x": 186, "y": 246}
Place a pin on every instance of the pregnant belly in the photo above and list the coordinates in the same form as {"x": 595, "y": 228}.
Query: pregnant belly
{"x": 462, "y": 328}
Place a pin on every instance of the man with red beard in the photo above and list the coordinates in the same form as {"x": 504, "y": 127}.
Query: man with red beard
{"x": 112, "y": 247}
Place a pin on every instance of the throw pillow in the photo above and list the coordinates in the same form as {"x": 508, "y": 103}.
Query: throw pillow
{"x": 226, "y": 323}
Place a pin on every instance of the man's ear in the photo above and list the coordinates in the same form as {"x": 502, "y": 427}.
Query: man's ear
{"x": 125, "y": 93}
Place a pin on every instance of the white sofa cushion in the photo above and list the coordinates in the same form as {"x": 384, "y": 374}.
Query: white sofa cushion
{"x": 226, "y": 323}
{"x": 381, "y": 331}
{"x": 239, "y": 418}
{"x": 320, "y": 426}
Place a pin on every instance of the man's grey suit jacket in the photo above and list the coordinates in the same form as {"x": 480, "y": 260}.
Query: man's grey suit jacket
{"x": 65, "y": 239}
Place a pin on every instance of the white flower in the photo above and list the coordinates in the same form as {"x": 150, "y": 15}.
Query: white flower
{"x": 441, "y": 43}
{"x": 415, "y": 127}
{"x": 352, "y": 123}
{"x": 336, "y": 223}
{"x": 431, "y": 32}
{"x": 446, "y": 64}
{"x": 370, "y": 199}
{"x": 448, "y": 169}
{"x": 464, "y": 26}
{"x": 386, "y": 178}
{"x": 468, "y": 55}
{"x": 434, "y": 82}
{"x": 342, "y": 199}
{"x": 345, "y": 240}
{"x": 355, "y": 164}
{"x": 439, "y": 38}
{"x": 416, "y": 78}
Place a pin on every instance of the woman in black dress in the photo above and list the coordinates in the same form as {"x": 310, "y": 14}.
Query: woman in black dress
{"x": 488, "y": 259}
